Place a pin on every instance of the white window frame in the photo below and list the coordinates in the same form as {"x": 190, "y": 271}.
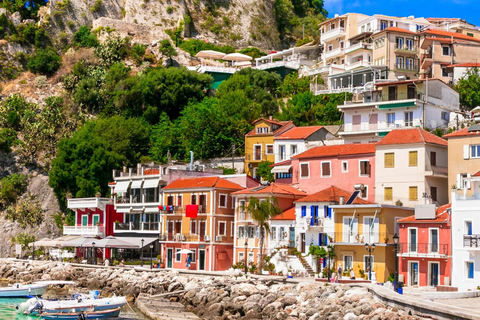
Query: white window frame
{"x": 372, "y": 259}
{"x": 360, "y": 168}
{"x": 300, "y": 169}
{"x": 345, "y": 268}
{"x": 429, "y": 273}
{"x": 273, "y": 233}
{"x": 93, "y": 219}
{"x": 83, "y": 216}
{"x": 224, "y": 234}
{"x": 242, "y": 212}
{"x": 233, "y": 202}
{"x": 410, "y": 121}
{"x": 220, "y": 200}
{"x": 344, "y": 166}
{"x": 266, "y": 149}
{"x": 177, "y": 254}
{"x": 232, "y": 229}
{"x": 389, "y": 122}
{"x": 282, "y": 152}
{"x": 409, "y": 242}
{"x": 321, "y": 169}
{"x": 292, "y": 151}
{"x": 430, "y": 240}
{"x": 241, "y": 256}
{"x": 477, "y": 151}
{"x": 179, "y": 197}
{"x": 449, "y": 51}
{"x": 254, "y": 153}
{"x": 251, "y": 258}
{"x": 194, "y": 255}
{"x": 410, "y": 271}
{"x": 193, "y": 230}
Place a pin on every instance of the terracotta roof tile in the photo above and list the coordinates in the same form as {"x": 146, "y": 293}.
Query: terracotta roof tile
{"x": 476, "y": 174}
{"x": 203, "y": 182}
{"x": 462, "y": 133}
{"x": 413, "y": 135}
{"x": 274, "y": 189}
{"x": 298, "y": 133}
{"x": 151, "y": 171}
{"x": 396, "y": 29}
{"x": 441, "y": 215}
{"x": 449, "y": 34}
{"x": 337, "y": 150}
{"x": 282, "y": 163}
{"x": 282, "y": 124}
{"x": 288, "y": 214}
{"x": 332, "y": 194}
{"x": 466, "y": 65}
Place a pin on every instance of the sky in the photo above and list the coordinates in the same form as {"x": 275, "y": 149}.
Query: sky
{"x": 464, "y": 9}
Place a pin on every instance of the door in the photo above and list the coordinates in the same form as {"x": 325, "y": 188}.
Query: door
{"x": 201, "y": 259}
{"x": 169, "y": 258}
{"x": 414, "y": 273}
{"x": 96, "y": 219}
{"x": 303, "y": 242}
{"x": 392, "y": 92}
{"x": 292, "y": 237}
{"x": 170, "y": 230}
{"x": 202, "y": 230}
{"x": 434, "y": 274}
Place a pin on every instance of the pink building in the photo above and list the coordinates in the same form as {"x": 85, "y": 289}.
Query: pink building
{"x": 339, "y": 165}
{"x": 425, "y": 249}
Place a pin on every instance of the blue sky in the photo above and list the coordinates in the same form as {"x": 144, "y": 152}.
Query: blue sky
{"x": 464, "y": 9}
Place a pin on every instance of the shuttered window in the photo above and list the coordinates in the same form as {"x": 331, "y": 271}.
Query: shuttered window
{"x": 326, "y": 169}
{"x": 388, "y": 194}
{"x": 389, "y": 160}
{"x": 412, "y": 194}
{"x": 304, "y": 170}
{"x": 413, "y": 158}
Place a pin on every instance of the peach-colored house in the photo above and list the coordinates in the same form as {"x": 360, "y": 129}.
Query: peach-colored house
{"x": 340, "y": 165}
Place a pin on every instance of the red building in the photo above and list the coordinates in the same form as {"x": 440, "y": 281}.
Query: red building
{"x": 425, "y": 247}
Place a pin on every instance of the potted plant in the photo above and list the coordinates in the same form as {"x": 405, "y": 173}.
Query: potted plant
{"x": 161, "y": 263}
{"x": 385, "y": 239}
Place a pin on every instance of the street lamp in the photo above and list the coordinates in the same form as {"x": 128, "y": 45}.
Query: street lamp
{"x": 369, "y": 249}
{"x": 151, "y": 256}
{"x": 395, "y": 241}
{"x": 93, "y": 249}
{"x": 245, "y": 261}
{"x": 329, "y": 251}
{"x": 141, "y": 252}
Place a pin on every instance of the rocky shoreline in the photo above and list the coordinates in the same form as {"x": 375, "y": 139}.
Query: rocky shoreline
{"x": 219, "y": 297}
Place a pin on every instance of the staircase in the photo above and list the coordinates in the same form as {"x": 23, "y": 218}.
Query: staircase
{"x": 306, "y": 265}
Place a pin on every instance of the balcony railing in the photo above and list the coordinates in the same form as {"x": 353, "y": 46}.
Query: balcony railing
{"x": 357, "y": 64}
{"x": 367, "y": 127}
{"x": 356, "y": 46}
{"x": 333, "y": 53}
{"x": 178, "y": 237}
{"x": 136, "y": 200}
{"x": 406, "y": 48}
{"x": 136, "y": 227}
{"x": 176, "y": 210}
{"x": 406, "y": 66}
{"x": 437, "y": 170}
{"x": 415, "y": 249}
{"x": 95, "y": 231}
{"x": 134, "y": 172}
{"x": 362, "y": 238}
{"x": 334, "y": 33}
{"x": 471, "y": 240}
{"x": 93, "y": 202}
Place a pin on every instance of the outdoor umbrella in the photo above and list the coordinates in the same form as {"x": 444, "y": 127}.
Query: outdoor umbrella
{"x": 115, "y": 242}
{"x": 80, "y": 242}
{"x": 210, "y": 54}
{"x": 186, "y": 251}
{"x": 237, "y": 57}
{"x": 45, "y": 242}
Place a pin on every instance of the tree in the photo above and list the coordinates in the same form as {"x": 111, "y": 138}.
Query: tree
{"x": 468, "y": 88}
{"x": 317, "y": 252}
{"x": 261, "y": 212}
{"x": 264, "y": 171}
{"x": 84, "y": 38}
{"x": 45, "y": 61}
{"x": 167, "y": 50}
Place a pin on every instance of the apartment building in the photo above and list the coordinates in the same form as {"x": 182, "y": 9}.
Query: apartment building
{"x": 422, "y": 159}
{"x": 426, "y": 103}
{"x": 198, "y": 216}
{"x": 259, "y": 143}
{"x": 455, "y": 25}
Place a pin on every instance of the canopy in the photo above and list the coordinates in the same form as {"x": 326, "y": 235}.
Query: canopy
{"x": 122, "y": 186}
{"x": 80, "y": 242}
{"x": 186, "y": 251}
{"x": 45, "y": 242}
{"x": 151, "y": 183}
{"x": 136, "y": 184}
{"x": 115, "y": 242}
{"x": 237, "y": 57}
{"x": 212, "y": 54}
{"x": 279, "y": 169}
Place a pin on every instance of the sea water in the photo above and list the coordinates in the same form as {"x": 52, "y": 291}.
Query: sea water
{"x": 9, "y": 312}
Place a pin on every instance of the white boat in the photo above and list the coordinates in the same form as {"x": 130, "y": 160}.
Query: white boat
{"x": 79, "y": 302}
{"x": 18, "y": 290}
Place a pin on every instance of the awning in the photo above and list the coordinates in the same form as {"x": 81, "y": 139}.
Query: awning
{"x": 79, "y": 242}
{"x": 151, "y": 183}
{"x": 397, "y": 105}
{"x": 136, "y": 184}
{"x": 121, "y": 186}
{"x": 281, "y": 169}
{"x": 124, "y": 242}
{"x": 383, "y": 134}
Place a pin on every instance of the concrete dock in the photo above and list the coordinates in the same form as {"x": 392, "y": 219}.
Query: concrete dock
{"x": 160, "y": 308}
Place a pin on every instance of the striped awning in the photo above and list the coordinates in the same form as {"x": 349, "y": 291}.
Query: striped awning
{"x": 397, "y": 105}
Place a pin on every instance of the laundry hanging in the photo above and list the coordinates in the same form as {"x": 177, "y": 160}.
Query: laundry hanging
{"x": 191, "y": 211}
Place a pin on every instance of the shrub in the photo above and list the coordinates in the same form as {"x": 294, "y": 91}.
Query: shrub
{"x": 44, "y": 61}
{"x": 84, "y": 38}
{"x": 28, "y": 211}
{"x": 7, "y": 139}
{"x": 96, "y": 7}
{"x": 169, "y": 9}
{"x": 11, "y": 187}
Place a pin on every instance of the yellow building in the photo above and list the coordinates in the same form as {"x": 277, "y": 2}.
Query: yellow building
{"x": 357, "y": 225}
{"x": 259, "y": 142}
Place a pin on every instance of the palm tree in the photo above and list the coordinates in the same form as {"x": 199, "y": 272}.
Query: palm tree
{"x": 261, "y": 212}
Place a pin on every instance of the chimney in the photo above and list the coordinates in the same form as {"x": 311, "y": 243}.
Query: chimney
{"x": 342, "y": 200}
{"x": 270, "y": 118}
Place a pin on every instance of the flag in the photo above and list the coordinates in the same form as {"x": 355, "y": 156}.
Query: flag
{"x": 191, "y": 210}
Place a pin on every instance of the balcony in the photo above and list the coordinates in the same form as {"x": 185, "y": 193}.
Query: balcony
{"x": 426, "y": 60}
{"x": 362, "y": 238}
{"x": 315, "y": 224}
{"x": 405, "y": 67}
{"x": 136, "y": 227}
{"x": 333, "y": 53}
{"x": 383, "y": 103}
{"x": 136, "y": 172}
{"x": 90, "y": 231}
{"x": 180, "y": 210}
{"x": 471, "y": 241}
{"x": 179, "y": 237}
{"x": 358, "y": 46}
{"x": 93, "y": 202}
{"x": 406, "y": 50}
{"x": 357, "y": 64}
{"x": 433, "y": 250}
{"x": 436, "y": 171}
{"x": 366, "y": 127}
{"x": 332, "y": 34}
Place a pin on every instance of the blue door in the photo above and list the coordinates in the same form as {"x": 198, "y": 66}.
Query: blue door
{"x": 292, "y": 237}
{"x": 434, "y": 274}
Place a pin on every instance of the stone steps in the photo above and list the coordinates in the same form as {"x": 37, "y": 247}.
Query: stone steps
{"x": 159, "y": 308}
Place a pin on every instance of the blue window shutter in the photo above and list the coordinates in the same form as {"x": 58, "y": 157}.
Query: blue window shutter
{"x": 316, "y": 211}
{"x": 325, "y": 211}
{"x": 326, "y": 239}
{"x": 324, "y": 262}
{"x": 312, "y": 210}
{"x": 304, "y": 211}
{"x": 470, "y": 229}
{"x": 320, "y": 239}
{"x": 470, "y": 270}
{"x": 329, "y": 212}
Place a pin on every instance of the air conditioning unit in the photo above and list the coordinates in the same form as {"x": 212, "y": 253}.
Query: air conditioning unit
{"x": 207, "y": 238}
{"x": 218, "y": 238}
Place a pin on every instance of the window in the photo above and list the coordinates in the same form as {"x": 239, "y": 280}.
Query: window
{"x": 444, "y": 72}
{"x": 194, "y": 199}
{"x": 389, "y": 160}
{"x": 364, "y": 192}
{"x": 409, "y": 44}
{"x": 304, "y": 172}
{"x": 84, "y": 220}
{"x": 433, "y": 193}
{"x": 330, "y": 47}
{"x": 178, "y": 256}
{"x": 262, "y": 130}
{"x": 400, "y": 61}
{"x": 412, "y": 239}
{"x": 388, "y": 194}
{"x": 392, "y": 93}
{"x": 433, "y": 158}
{"x": 368, "y": 262}
{"x": 470, "y": 269}
{"x": 193, "y": 226}
{"x": 433, "y": 240}
{"x": 412, "y": 158}
{"x": 444, "y": 116}
{"x": 193, "y": 256}
{"x": 232, "y": 229}
{"x": 475, "y": 151}
{"x": 250, "y": 257}
{"x": 170, "y": 200}
{"x": 408, "y": 118}
{"x": 364, "y": 168}
{"x": 222, "y": 228}
{"x": 232, "y": 199}
{"x": 269, "y": 148}
{"x": 273, "y": 233}
{"x": 282, "y": 233}
{"x": 344, "y": 166}
{"x": 223, "y": 201}
{"x": 356, "y": 119}
{"x": 468, "y": 228}
{"x": 409, "y": 66}
{"x": 241, "y": 256}
{"x": 463, "y": 181}
{"x": 347, "y": 262}
{"x": 257, "y": 154}
{"x": 326, "y": 169}
{"x": 412, "y": 194}
{"x": 281, "y": 152}
{"x": 446, "y": 50}
{"x": 383, "y": 26}
{"x": 241, "y": 209}
{"x": 179, "y": 200}
{"x": 241, "y": 232}
{"x": 293, "y": 149}
{"x": 391, "y": 119}
{"x": 399, "y": 44}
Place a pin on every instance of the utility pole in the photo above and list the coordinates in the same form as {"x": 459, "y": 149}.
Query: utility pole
{"x": 233, "y": 155}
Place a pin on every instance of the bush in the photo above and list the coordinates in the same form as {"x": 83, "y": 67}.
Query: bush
{"x": 44, "y": 61}
{"x": 11, "y": 187}
{"x": 7, "y": 139}
{"x": 96, "y": 7}
{"x": 84, "y": 38}
{"x": 27, "y": 212}
{"x": 193, "y": 46}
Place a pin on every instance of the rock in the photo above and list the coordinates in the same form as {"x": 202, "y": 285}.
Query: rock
{"x": 350, "y": 316}
{"x": 289, "y": 300}
{"x": 16, "y": 18}
{"x": 244, "y": 289}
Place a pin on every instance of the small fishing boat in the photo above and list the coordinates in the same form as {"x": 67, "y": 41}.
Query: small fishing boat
{"x": 18, "y": 290}
{"x": 82, "y": 315}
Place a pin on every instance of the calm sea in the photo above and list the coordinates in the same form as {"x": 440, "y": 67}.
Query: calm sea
{"x": 8, "y": 311}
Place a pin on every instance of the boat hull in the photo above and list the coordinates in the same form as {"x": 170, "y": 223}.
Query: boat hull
{"x": 21, "y": 291}
{"x": 85, "y": 304}
{"x": 105, "y": 314}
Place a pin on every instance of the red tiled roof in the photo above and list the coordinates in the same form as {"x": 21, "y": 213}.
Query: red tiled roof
{"x": 298, "y": 133}
{"x": 113, "y": 183}
{"x": 273, "y": 188}
{"x": 466, "y": 65}
{"x": 441, "y": 215}
{"x": 444, "y": 19}
{"x": 462, "y": 133}
{"x": 332, "y": 194}
{"x": 203, "y": 182}
{"x": 337, "y": 150}
{"x": 282, "y": 125}
{"x": 446, "y": 40}
{"x": 413, "y": 135}
{"x": 449, "y": 34}
{"x": 288, "y": 214}
{"x": 281, "y": 163}
{"x": 396, "y": 29}
{"x": 476, "y": 174}
{"x": 151, "y": 171}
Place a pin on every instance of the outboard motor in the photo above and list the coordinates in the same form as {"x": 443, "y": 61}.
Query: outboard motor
{"x": 36, "y": 307}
